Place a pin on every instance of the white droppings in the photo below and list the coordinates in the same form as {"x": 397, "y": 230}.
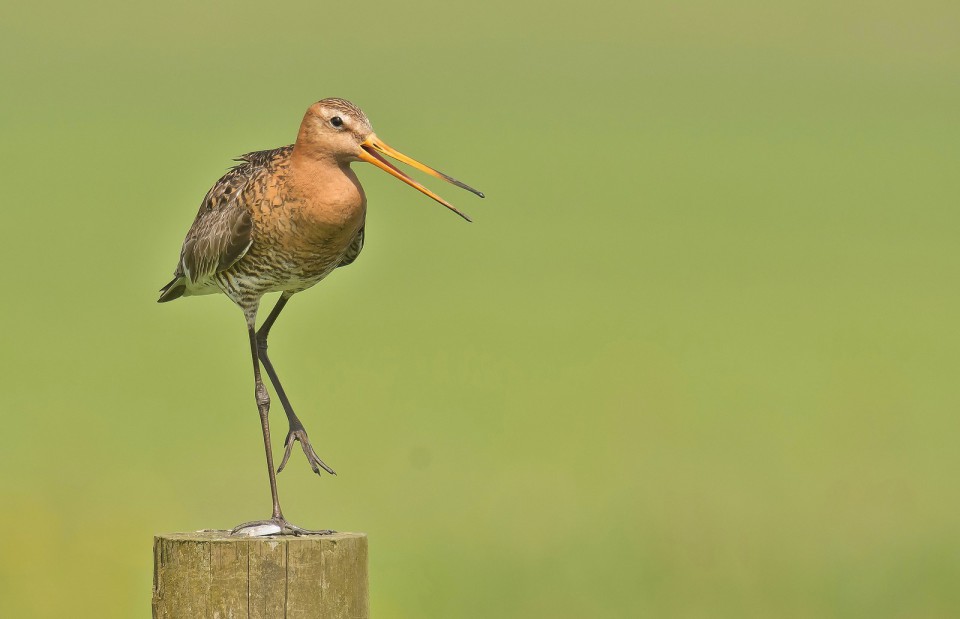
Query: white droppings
{"x": 260, "y": 529}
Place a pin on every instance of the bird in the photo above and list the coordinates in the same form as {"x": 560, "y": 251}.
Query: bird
{"x": 282, "y": 220}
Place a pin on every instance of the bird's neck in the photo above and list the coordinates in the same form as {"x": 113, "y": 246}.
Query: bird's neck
{"x": 304, "y": 154}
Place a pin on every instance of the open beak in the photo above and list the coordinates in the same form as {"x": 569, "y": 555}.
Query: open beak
{"x": 372, "y": 151}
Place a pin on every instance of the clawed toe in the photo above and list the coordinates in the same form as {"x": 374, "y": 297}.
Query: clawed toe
{"x": 274, "y": 526}
{"x": 299, "y": 434}
{"x": 301, "y": 531}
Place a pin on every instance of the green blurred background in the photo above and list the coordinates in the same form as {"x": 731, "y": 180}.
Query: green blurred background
{"x": 697, "y": 357}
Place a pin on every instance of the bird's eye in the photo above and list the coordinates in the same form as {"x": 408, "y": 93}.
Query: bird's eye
{"x": 336, "y": 121}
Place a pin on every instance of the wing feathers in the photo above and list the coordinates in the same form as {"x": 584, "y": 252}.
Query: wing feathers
{"x": 222, "y": 232}
{"x": 216, "y": 241}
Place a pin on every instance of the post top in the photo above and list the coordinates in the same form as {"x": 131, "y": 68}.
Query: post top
{"x": 216, "y": 535}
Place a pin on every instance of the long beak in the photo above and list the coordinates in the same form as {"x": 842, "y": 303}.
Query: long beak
{"x": 371, "y": 150}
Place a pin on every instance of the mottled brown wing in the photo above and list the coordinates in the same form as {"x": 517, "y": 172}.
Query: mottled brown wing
{"x": 353, "y": 251}
{"x": 222, "y": 232}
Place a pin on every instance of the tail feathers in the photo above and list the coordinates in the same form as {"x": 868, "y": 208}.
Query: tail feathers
{"x": 173, "y": 290}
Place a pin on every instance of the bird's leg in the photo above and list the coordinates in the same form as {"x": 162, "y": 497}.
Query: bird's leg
{"x": 263, "y": 406}
{"x": 277, "y": 523}
{"x": 297, "y": 431}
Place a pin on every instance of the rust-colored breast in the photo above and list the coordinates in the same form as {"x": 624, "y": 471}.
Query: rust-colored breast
{"x": 271, "y": 224}
{"x": 304, "y": 221}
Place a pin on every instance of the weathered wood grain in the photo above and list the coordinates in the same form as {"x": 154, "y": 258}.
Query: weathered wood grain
{"x": 209, "y": 575}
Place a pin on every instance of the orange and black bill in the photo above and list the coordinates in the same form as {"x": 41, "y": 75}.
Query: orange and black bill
{"x": 372, "y": 150}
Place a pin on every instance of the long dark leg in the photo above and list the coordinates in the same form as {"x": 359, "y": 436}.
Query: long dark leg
{"x": 263, "y": 405}
{"x": 297, "y": 431}
{"x": 277, "y": 524}
{"x": 262, "y": 334}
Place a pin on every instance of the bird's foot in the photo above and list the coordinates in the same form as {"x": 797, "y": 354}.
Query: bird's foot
{"x": 298, "y": 433}
{"x": 273, "y": 526}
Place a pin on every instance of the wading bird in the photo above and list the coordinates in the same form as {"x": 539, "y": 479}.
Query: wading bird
{"x": 280, "y": 221}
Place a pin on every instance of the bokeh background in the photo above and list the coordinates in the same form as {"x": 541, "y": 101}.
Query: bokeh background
{"x": 697, "y": 357}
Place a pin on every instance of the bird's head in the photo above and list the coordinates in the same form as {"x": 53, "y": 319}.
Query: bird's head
{"x": 337, "y": 129}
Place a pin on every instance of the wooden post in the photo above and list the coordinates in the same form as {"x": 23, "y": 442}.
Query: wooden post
{"x": 210, "y": 575}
